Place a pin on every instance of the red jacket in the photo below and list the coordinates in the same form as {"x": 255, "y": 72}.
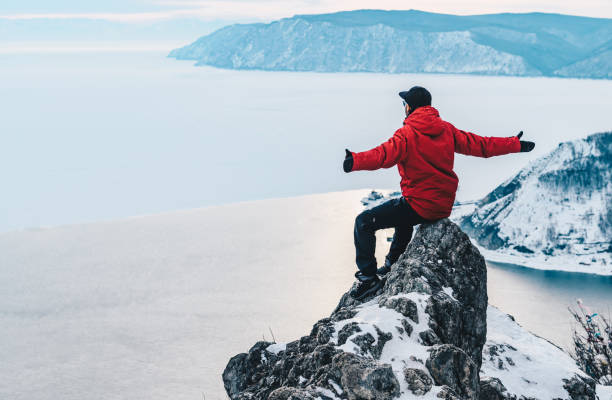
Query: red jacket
{"x": 424, "y": 151}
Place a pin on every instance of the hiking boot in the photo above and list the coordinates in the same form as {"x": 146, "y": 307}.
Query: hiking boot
{"x": 384, "y": 270}
{"x": 366, "y": 286}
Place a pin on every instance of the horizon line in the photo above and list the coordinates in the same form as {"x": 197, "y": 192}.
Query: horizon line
{"x": 205, "y": 14}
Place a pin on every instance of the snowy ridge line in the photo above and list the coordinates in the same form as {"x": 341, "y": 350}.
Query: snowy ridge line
{"x": 412, "y": 41}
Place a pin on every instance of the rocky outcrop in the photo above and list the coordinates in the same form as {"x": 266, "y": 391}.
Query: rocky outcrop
{"x": 421, "y": 334}
{"x": 441, "y": 263}
{"x": 429, "y": 340}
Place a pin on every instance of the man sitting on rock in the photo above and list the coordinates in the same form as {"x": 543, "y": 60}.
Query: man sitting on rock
{"x": 424, "y": 150}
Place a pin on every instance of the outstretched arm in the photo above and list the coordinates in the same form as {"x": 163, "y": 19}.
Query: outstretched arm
{"x": 384, "y": 156}
{"x": 470, "y": 144}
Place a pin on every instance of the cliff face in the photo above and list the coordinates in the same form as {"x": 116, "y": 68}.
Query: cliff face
{"x": 414, "y": 41}
{"x": 559, "y": 206}
{"x": 422, "y": 335}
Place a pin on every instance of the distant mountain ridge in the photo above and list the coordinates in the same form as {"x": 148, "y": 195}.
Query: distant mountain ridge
{"x": 534, "y": 44}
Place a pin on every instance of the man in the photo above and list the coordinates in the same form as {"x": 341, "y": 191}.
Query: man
{"x": 424, "y": 150}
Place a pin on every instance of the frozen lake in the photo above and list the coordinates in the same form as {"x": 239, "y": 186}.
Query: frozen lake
{"x": 95, "y": 134}
{"x": 153, "y": 307}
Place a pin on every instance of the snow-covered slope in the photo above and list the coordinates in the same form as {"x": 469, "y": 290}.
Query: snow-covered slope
{"x": 528, "y": 365}
{"x": 412, "y": 41}
{"x": 597, "y": 66}
{"x": 556, "y": 213}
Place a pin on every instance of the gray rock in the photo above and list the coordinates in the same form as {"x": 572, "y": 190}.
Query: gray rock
{"x": 451, "y": 366}
{"x": 418, "y": 381}
{"x": 365, "y": 379}
{"x": 322, "y": 331}
{"x": 402, "y": 305}
{"x": 347, "y": 331}
{"x": 580, "y": 388}
{"x": 342, "y": 314}
{"x": 429, "y": 338}
{"x": 383, "y": 338}
{"x": 366, "y": 342}
{"x": 235, "y": 375}
{"x": 462, "y": 268}
{"x": 439, "y": 257}
{"x": 407, "y": 327}
{"x": 493, "y": 389}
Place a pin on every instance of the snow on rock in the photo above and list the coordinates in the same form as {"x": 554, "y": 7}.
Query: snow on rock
{"x": 420, "y": 336}
{"x": 556, "y": 213}
{"x": 276, "y": 348}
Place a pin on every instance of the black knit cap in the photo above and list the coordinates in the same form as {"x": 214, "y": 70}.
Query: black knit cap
{"x": 416, "y": 97}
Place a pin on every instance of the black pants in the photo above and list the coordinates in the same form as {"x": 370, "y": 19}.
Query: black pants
{"x": 395, "y": 213}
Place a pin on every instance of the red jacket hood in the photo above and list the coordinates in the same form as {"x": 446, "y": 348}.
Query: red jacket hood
{"x": 426, "y": 120}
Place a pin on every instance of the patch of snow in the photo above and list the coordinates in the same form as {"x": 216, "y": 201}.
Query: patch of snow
{"x": 449, "y": 291}
{"x": 604, "y": 392}
{"x": 327, "y": 392}
{"x": 527, "y": 365}
{"x": 277, "y": 348}
{"x": 337, "y": 388}
{"x": 462, "y": 209}
{"x": 402, "y": 351}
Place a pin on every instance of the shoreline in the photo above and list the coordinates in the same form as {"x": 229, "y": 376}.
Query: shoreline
{"x": 559, "y": 264}
{"x": 564, "y": 263}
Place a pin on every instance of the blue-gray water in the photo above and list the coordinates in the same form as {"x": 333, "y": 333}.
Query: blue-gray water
{"x": 538, "y": 299}
{"x": 89, "y": 135}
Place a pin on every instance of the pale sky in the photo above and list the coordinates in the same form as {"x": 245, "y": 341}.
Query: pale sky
{"x": 266, "y": 10}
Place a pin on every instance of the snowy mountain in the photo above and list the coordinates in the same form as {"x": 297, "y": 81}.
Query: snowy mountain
{"x": 414, "y": 41}
{"x": 556, "y": 213}
{"x": 427, "y": 333}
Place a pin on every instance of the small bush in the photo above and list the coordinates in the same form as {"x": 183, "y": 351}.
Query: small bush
{"x": 593, "y": 344}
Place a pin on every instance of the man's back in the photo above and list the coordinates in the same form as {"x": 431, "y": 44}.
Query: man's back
{"x": 424, "y": 151}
